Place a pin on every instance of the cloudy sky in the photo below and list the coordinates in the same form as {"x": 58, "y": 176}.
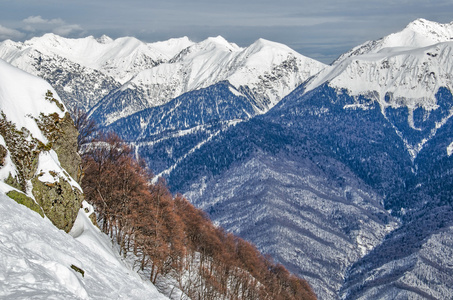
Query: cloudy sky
{"x": 321, "y": 29}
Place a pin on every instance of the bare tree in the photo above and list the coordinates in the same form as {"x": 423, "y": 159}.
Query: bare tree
{"x": 86, "y": 126}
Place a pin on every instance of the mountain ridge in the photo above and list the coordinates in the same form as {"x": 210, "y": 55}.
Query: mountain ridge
{"x": 398, "y": 80}
{"x": 268, "y": 71}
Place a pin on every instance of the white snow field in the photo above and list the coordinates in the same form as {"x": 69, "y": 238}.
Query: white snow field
{"x": 36, "y": 260}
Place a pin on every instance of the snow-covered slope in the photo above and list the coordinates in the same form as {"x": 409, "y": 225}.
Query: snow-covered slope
{"x": 262, "y": 64}
{"x": 36, "y": 260}
{"x": 408, "y": 77}
{"x": 24, "y": 104}
{"x": 403, "y": 71}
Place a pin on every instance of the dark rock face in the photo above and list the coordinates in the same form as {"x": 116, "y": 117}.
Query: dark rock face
{"x": 3, "y": 153}
{"x": 64, "y": 143}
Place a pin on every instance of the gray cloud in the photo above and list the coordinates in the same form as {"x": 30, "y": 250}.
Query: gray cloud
{"x": 8, "y": 33}
{"x": 67, "y": 30}
{"x": 40, "y": 20}
{"x": 37, "y": 25}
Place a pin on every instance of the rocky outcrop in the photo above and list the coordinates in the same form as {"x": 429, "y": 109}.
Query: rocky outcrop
{"x": 59, "y": 200}
{"x": 45, "y": 171}
{"x": 62, "y": 133}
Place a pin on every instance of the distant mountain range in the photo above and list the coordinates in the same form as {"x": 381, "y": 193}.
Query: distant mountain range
{"x": 343, "y": 173}
{"x": 125, "y": 75}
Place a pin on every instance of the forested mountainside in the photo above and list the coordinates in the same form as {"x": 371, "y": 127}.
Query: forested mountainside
{"x": 340, "y": 172}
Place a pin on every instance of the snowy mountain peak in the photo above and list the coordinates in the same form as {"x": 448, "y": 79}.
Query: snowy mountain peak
{"x": 221, "y": 41}
{"x": 46, "y": 38}
{"x": 104, "y": 39}
{"x": 120, "y": 58}
{"x": 211, "y": 45}
{"x": 152, "y": 74}
{"x": 268, "y": 70}
{"x": 444, "y": 32}
{"x": 403, "y": 78}
{"x": 411, "y": 64}
{"x": 263, "y": 43}
{"x": 419, "y": 33}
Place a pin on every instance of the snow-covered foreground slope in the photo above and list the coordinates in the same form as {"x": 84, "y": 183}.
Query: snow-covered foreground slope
{"x": 22, "y": 105}
{"x": 36, "y": 260}
{"x": 39, "y": 158}
{"x": 38, "y": 164}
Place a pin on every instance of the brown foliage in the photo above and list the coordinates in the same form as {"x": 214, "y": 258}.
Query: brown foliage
{"x": 168, "y": 235}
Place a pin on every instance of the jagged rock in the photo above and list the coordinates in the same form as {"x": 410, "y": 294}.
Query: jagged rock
{"x": 60, "y": 200}
{"x": 63, "y": 137}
